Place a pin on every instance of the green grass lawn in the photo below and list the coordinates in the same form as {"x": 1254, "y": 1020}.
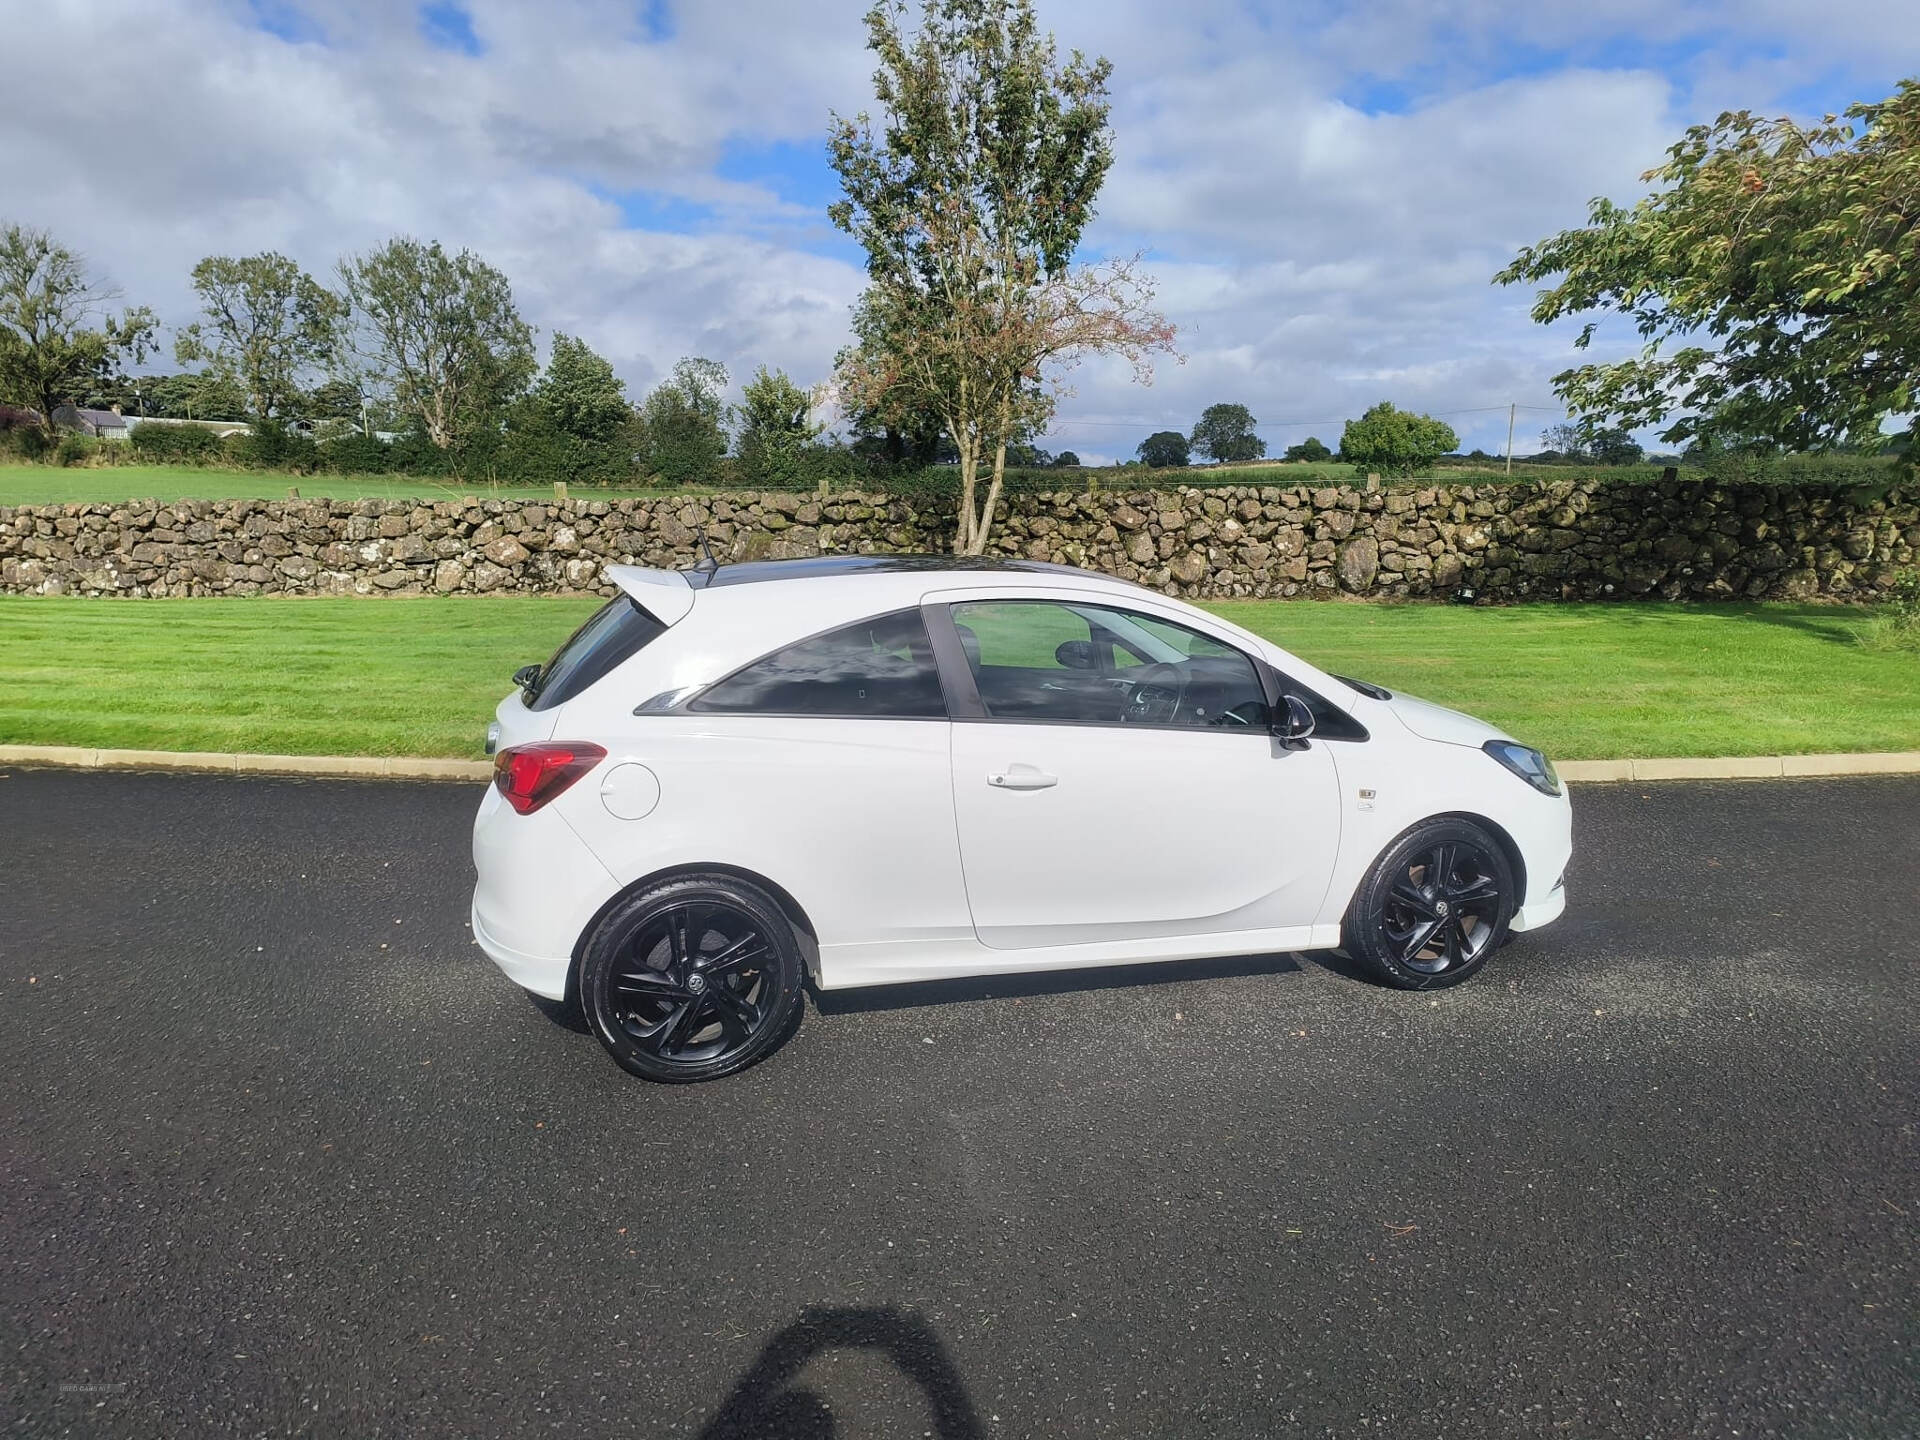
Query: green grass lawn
{"x": 53, "y": 485}
{"x": 421, "y": 676}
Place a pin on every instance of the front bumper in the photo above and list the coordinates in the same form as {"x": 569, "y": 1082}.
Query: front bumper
{"x": 1543, "y": 911}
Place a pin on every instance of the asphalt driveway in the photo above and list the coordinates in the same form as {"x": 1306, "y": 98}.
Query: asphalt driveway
{"x": 281, "y": 1153}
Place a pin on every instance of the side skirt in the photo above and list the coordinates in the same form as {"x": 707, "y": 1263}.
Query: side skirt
{"x": 844, "y": 967}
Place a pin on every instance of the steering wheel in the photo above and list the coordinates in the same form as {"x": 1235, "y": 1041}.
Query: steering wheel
{"x": 1156, "y": 696}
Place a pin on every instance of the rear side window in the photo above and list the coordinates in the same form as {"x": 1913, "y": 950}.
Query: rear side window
{"x": 619, "y": 630}
{"x": 876, "y": 669}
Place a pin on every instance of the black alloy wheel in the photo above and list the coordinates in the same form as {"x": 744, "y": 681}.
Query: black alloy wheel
{"x": 1433, "y": 907}
{"x": 692, "y": 979}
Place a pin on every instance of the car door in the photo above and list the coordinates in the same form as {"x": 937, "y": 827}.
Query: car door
{"x": 1116, "y": 779}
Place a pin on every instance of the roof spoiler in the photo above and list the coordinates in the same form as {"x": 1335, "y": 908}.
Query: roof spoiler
{"x": 663, "y": 594}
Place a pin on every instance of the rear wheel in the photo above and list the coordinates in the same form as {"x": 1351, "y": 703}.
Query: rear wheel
{"x": 1433, "y": 907}
{"x": 692, "y": 979}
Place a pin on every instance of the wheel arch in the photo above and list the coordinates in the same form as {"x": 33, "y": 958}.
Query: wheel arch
{"x": 803, "y": 928}
{"x": 1500, "y": 837}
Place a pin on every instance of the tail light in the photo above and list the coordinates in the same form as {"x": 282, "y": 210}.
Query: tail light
{"x": 531, "y": 775}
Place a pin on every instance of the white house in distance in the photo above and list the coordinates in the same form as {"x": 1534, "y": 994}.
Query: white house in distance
{"x": 112, "y": 425}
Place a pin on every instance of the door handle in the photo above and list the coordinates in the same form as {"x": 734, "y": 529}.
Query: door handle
{"x": 1021, "y": 777}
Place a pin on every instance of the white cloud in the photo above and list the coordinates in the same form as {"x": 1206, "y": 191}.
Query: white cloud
{"x": 1316, "y": 253}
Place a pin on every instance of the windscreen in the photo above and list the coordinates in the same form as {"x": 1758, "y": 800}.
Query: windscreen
{"x": 617, "y": 631}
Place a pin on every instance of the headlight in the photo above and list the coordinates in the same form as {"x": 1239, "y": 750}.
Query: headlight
{"x": 1530, "y": 765}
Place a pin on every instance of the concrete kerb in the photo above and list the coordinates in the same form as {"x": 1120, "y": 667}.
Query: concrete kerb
{"x": 333, "y": 767}
{"x": 402, "y": 767}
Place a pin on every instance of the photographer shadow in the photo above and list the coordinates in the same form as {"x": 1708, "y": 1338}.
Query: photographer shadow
{"x": 768, "y": 1404}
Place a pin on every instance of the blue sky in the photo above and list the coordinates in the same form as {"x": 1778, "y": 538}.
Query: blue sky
{"x": 1322, "y": 189}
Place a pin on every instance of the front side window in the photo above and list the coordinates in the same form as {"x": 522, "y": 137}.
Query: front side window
{"x": 1094, "y": 665}
{"x": 880, "y": 668}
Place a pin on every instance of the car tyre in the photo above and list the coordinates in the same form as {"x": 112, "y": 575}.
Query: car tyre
{"x": 692, "y": 979}
{"x": 1433, "y": 907}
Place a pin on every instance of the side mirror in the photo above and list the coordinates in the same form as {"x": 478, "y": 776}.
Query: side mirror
{"x": 527, "y": 676}
{"x": 1077, "y": 655}
{"x": 1294, "y": 723}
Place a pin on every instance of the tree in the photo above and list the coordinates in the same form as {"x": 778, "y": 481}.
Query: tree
{"x": 776, "y": 430}
{"x": 1163, "y": 450}
{"x": 442, "y": 333}
{"x": 575, "y": 424}
{"x": 58, "y": 338}
{"x": 1395, "y": 442}
{"x": 685, "y": 419}
{"x": 267, "y": 323}
{"x": 889, "y": 439}
{"x": 1614, "y": 447}
{"x": 1310, "y": 448}
{"x": 1066, "y": 460}
{"x": 1781, "y": 264}
{"x": 331, "y": 400}
{"x": 969, "y": 201}
{"x": 1565, "y": 439}
{"x": 1225, "y": 433}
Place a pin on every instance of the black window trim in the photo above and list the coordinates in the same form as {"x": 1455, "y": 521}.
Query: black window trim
{"x": 683, "y": 704}
{"x": 963, "y": 695}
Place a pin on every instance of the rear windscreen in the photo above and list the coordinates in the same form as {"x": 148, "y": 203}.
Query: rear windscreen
{"x": 619, "y": 629}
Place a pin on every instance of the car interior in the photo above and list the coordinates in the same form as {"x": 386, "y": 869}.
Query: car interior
{"x": 1099, "y": 674}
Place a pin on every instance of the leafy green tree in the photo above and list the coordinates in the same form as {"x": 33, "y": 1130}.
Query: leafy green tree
{"x": 969, "y": 199}
{"x": 267, "y": 324}
{"x": 1066, "y": 460}
{"x": 441, "y": 333}
{"x": 1163, "y": 450}
{"x": 1774, "y": 276}
{"x": 777, "y": 430}
{"x": 576, "y": 424}
{"x": 58, "y": 338}
{"x": 1614, "y": 447}
{"x": 685, "y": 419}
{"x": 1395, "y": 442}
{"x": 189, "y": 395}
{"x": 1225, "y": 433}
{"x": 335, "y": 399}
{"x": 1311, "y": 448}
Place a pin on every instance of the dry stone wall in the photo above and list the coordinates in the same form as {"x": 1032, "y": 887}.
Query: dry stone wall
{"x": 1572, "y": 540}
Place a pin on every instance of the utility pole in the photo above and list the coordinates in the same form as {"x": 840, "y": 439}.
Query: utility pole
{"x": 1510, "y": 409}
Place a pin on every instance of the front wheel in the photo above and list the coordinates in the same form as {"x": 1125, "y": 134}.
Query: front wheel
{"x": 692, "y": 979}
{"x": 1433, "y": 907}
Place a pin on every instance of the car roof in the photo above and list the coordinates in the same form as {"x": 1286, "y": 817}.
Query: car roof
{"x": 753, "y": 572}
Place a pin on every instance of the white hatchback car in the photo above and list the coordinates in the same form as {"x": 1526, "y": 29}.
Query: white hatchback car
{"x": 879, "y": 768}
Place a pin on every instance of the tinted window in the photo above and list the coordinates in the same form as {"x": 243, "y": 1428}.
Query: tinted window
{"x": 881, "y": 668}
{"x": 619, "y": 629}
{"x": 1094, "y": 665}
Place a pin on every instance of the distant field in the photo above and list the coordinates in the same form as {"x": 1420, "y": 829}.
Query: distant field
{"x": 421, "y": 676}
{"x": 53, "y": 485}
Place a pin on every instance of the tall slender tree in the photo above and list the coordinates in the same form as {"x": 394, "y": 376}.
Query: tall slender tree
{"x": 268, "y": 324}
{"x": 59, "y": 337}
{"x": 969, "y": 198}
{"x": 441, "y": 332}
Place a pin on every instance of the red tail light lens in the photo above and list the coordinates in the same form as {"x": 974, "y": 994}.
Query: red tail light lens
{"x": 531, "y": 775}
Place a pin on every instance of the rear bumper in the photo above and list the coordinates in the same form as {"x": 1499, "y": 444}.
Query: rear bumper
{"x": 542, "y": 974}
{"x": 537, "y": 889}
